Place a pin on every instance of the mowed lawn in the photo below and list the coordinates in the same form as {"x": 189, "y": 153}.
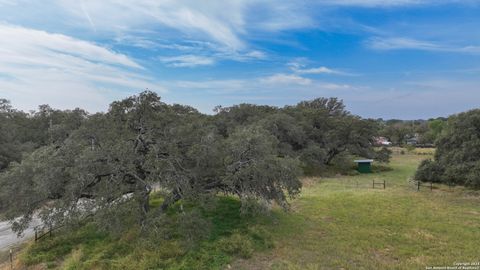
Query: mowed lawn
{"x": 342, "y": 223}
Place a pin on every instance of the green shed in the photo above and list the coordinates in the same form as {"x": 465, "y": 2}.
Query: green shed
{"x": 364, "y": 165}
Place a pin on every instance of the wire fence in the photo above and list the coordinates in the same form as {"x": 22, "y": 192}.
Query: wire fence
{"x": 384, "y": 184}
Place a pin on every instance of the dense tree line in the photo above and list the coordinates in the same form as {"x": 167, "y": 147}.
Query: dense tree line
{"x": 21, "y": 133}
{"x": 457, "y": 157}
{"x": 105, "y": 165}
{"x": 425, "y": 132}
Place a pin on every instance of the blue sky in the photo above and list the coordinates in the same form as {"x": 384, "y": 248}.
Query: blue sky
{"x": 406, "y": 59}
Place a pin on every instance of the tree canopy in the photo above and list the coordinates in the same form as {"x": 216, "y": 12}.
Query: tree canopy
{"x": 426, "y": 132}
{"x": 457, "y": 158}
{"x": 105, "y": 164}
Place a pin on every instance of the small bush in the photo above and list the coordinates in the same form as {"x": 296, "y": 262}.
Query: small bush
{"x": 428, "y": 171}
{"x": 383, "y": 155}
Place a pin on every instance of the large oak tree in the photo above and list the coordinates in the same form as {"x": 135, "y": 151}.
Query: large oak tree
{"x": 110, "y": 163}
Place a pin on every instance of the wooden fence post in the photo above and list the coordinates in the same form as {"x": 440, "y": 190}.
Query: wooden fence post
{"x": 373, "y": 183}
{"x": 418, "y": 185}
{"x": 11, "y": 259}
{"x": 431, "y": 186}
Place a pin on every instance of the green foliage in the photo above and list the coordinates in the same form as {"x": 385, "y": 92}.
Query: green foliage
{"x": 114, "y": 158}
{"x": 429, "y": 171}
{"x": 105, "y": 165}
{"x": 336, "y": 226}
{"x": 383, "y": 155}
{"x": 330, "y": 130}
{"x": 49, "y": 250}
{"x": 230, "y": 235}
{"x": 426, "y": 131}
{"x": 457, "y": 158}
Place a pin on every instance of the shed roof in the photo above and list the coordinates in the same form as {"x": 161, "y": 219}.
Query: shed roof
{"x": 363, "y": 160}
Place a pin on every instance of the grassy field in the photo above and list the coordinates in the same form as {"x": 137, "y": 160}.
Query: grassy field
{"x": 337, "y": 223}
{"x": 342, "y": 223}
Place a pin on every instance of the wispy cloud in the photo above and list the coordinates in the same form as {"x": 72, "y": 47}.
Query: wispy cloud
{"x": 299, "y": 66}
{"x": 400, "y": 43}
{"x": 111, "y": 44}
{"x": 190, "y": 17}
{"x": 228, "y": 23}
{"x": 375, "y": 3}
{"x": 278, "y": 79}
{"x": 187, "y": 61}
{"x": 278, "y": 83}
{"x": 34, "y": 42}
{"x": 40, "y": 67}
{"x": 320, "y": 70}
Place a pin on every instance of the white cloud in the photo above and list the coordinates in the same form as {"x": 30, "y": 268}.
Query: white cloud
{"x": 318, "y": 70}
{"x": 375, "y": 3}
{"x": 16, "y": 39}
{"x": 400, "y": 43}
{"x": 187, "y": 61}
{"x": 39, "y": 67}
{"x": 255, "y": 54}
{"x": 228, "y": 23}
{"x": 279, "y": 79}
{"x": 275, "y": 82}
{"x": 392, "y": 3}
{"x": 221, "y": 21}
{"x": 298, "y": 66}
{"x": 335, "y": 86}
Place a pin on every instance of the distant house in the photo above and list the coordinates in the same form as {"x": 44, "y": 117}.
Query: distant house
{"x": 382, "y": 141}
{"x": 412, "y": 140}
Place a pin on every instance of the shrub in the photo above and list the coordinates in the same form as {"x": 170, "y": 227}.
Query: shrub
{"x": 383, "y": 155}
{"x": 428, "y": 171}
{"x": 457, "y": 157}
